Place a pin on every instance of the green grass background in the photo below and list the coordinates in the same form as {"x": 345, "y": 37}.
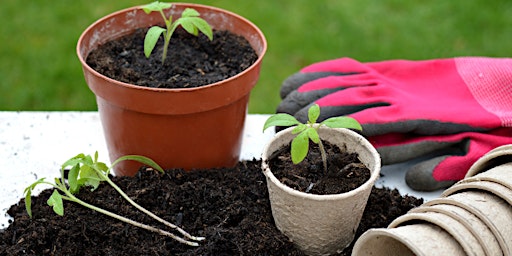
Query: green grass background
{"x": 40, "y": 71}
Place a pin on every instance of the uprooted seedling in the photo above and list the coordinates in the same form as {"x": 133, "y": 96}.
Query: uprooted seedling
{"x": 86, "y": 171}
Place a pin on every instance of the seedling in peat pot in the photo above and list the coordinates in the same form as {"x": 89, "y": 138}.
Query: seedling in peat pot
{"x": 88, "y": 172}
{"x": 309, "y": 131}
{"x": 189, "y": 20}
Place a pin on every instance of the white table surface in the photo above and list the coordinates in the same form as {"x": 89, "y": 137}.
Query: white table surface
{"x": 34, "y": 144}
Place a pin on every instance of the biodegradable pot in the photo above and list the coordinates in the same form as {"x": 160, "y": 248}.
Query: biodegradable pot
{"x": 320, "y": 224}
{"x": 462, "y": 234}
{"x": 501, "y": 174}
{"x": 493, "y": 158}
{"x": 476, "y": 226}
{"x": 490, "y": 209}
{"x": 495, "y": 188}
{"x": 420, "y": 239}
{"x": 178, "y": 128}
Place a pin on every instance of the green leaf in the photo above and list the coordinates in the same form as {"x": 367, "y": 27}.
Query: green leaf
{"x": 55, "y": 201}
{"x": 73, "y": 161}
{"x": 299, "y": 128}
{"x": 300, "y": 147}
{"x": 155, "y": 6}
{"x": 204, "y": 27}
{"x": 189, "y": 12}
{"x": 280, "y": 119}
{"x": 141, "y": 159}
{"x": 188, "y": 26}
{"x": 73, "y": 179}
{"x": 89, "y": 177}
{"x": 28, "y": 201}
{"x": 313, "y": 113}
{"x": 313, "y": 135}
{"x": 151, "y": 39}
{"x": 342, "y": 122}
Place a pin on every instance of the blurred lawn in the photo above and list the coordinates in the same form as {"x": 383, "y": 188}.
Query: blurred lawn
{"x": 40, "y": 71}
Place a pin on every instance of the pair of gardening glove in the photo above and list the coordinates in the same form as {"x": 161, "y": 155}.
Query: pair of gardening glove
{"x": 443, "y": 113}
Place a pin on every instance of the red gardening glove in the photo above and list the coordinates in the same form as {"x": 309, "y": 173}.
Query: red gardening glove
{"x": 443, "y": 96}
{"x": 451, "y": 156}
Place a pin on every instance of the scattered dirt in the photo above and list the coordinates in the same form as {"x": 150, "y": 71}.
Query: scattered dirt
{"x": 229, "y": 207}
{"x": 191, "y": 61}
{"x": 345, "y": 171}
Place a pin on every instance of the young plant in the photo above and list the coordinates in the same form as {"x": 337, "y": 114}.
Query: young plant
{"x": 309, "y": 131}
{"x": 88, "y": 172}
{"x": 189, "y": 20}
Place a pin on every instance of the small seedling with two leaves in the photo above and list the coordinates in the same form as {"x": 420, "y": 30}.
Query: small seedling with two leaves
{"x": 86, "y": 171}
{"x": 189, "y": 20}
{"x": 309, "y": 131}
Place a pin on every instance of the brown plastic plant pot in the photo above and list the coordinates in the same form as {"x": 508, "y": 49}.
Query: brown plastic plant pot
{"x": 178, "y": 128}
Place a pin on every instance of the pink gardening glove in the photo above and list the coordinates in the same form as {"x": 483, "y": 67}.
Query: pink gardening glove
{"x": 417, "y": 107}
{"x": 430, "y": 97}
{"x": 449, "y": 156}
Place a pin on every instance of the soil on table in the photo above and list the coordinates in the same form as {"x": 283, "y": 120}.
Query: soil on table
{"x": 191, "y": 61}
{"x": 344, "y": 171}
{"x": 228, "y": 206}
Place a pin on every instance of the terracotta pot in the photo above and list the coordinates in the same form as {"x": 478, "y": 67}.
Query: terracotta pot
{"x": 421, "y": 239}
{"x": 178, "y": 128}
{"x": 320, "y": 224}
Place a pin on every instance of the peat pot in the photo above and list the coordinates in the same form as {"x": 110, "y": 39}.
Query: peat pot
{"x": 178, "y": 128}
{"x": 320, "y": 224}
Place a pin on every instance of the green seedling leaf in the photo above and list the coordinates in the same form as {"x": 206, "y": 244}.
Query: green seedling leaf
{"x": 151, "y": 39}
{"x": 299, "y": 128}
{"x": 73, "y": 179}
{"x": 280, "y": 119}
{"x": 313, "y": 113}
{"x": 300, "y": 147}
{"x": 141, "y": 159}
{"x": 342, "y": 122}
{"x": 55, "y": 201}
{"x": 189, "y": 20}
{"x": 313, "y": 135}
{"x": 309, "y": 131}
{"x": 155, "y": 7}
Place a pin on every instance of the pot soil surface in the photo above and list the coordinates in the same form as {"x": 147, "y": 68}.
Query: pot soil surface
{"x": 344, "y": 171}
{"x": 230, "y": 207}
{"x": 191, "y": 61}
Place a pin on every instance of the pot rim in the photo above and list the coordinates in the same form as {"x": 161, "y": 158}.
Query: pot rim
{"x": 82, "y": 55}
{"x": 375, "y": 171}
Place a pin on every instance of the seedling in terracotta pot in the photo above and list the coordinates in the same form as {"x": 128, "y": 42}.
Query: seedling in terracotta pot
{"x": 88, "y": 172}
{"x": 309, "y": 131}
{"x": 189, "y": 20}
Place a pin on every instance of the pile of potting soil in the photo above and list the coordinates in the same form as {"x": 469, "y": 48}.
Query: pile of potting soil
{"x": 229, "y": 207}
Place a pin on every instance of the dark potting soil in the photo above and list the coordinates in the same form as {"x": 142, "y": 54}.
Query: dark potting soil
{"x": 344, "y": 173}
{"x": 229, "y": 207}
{"x": 191, "y": 61}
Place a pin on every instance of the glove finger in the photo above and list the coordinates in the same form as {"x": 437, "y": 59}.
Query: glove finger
{"x": 296, "y": 80}
{"x": 397, "y": 148}
{"x": 420, "y": 176}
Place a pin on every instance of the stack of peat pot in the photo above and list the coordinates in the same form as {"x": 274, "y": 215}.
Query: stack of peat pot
{"x": 473, "y": 217}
